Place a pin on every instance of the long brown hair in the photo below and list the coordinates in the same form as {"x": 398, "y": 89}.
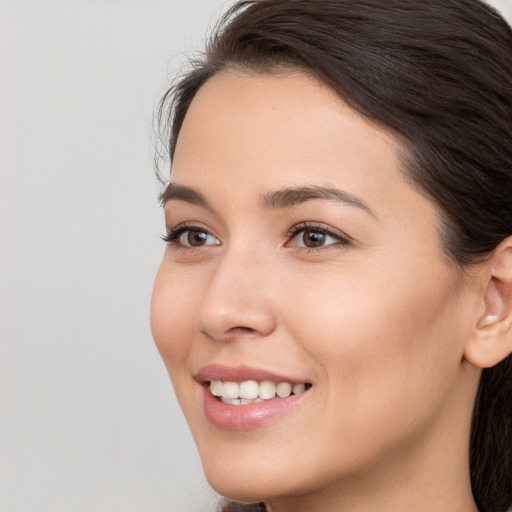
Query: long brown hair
{"x": 438, "y": 73}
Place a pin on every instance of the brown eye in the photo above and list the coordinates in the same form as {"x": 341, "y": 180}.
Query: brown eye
{"x": 313, "y": 239}
{"x": 184, "y": 237}
{"x": 196, "y": 238}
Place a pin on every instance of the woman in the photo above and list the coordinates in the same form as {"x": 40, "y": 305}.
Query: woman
{"x": 334, "y": 306}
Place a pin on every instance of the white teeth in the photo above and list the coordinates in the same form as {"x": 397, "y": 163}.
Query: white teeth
{"x": 230, "y": 389}
{"x": 267, "y": 390}
{"x": 298, "y": 389}
{"x": 230, "y": 401}
{"x": 240, "y": 401}
{"x": 284, "y": 389}
{"x": 216, "y": 387}
{"x": 249, "y": 391}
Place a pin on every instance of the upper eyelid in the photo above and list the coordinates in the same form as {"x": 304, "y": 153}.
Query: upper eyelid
{"x": 176, "y": 208}
{"x": 189, "y": 225}
{"x": 319, "y": 226}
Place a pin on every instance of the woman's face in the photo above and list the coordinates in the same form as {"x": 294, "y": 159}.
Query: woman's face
{"x": 300, "y": 254}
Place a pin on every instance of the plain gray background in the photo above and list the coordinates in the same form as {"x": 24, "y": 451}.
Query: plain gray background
{"x": 88, "y": 419}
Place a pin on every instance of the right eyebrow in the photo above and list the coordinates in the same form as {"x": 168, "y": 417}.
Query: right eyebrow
{"x": 175, "y": 192}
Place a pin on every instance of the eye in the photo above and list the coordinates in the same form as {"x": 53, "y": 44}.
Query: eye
{"x": 197, "y": 238}
{"x": 184, "y": 236}
{"x": 314, "y": 237}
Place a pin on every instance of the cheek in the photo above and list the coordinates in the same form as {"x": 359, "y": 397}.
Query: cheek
{"x": 384, "y": 345}
{"x": 170, "y": 318}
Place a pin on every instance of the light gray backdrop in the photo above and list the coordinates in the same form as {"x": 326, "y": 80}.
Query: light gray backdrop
{"x": 88, "y": 420}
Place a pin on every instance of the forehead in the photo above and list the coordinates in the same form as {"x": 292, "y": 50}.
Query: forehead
{"x": 265, "y": 126}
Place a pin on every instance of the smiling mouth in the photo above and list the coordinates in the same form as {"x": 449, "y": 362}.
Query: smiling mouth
{"x": 252, "y": 391}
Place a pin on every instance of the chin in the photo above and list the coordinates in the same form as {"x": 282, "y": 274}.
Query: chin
{"x": 244, "y": 491}
{"x": 247, "y": 480}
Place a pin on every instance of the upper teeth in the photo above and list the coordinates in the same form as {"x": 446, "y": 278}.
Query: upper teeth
{"x": 252, "y": 390}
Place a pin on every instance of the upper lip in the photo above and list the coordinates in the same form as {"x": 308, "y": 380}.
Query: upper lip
{"x": 241, "y": 373}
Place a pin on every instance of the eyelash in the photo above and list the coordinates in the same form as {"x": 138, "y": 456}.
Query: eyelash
{"x": 173, "y": 235}
{"x": 318, "y": 228}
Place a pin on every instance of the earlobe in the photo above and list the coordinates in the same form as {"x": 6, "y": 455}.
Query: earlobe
{"x": 491, "y": 341}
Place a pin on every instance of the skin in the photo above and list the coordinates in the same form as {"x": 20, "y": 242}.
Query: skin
{"x": 376, "y": 318}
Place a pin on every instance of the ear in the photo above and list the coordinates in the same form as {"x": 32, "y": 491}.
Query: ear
{"x": 492, "y": 336}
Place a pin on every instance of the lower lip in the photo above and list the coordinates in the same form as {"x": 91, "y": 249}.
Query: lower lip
{"x": 247, "y": 416}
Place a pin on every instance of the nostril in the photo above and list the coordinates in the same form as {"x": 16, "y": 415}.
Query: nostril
{"x": 240, "y": 330}
{"x": 233, "y": 333}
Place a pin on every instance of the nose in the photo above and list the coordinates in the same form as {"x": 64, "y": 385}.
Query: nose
{"x": 238, "y": 298}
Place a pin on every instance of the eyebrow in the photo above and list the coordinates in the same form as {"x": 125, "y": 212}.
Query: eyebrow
{"x": 277, "y": 199}
{"x": 288, "y": 197}
{"x": 175, "y": 192}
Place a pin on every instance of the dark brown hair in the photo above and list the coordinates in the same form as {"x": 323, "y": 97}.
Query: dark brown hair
{"x": 438, "y": 73}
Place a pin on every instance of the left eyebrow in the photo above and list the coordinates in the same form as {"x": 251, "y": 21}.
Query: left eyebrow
{"x": 288, "y": 197}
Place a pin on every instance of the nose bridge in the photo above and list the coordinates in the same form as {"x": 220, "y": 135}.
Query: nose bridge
{"x": 237, "y": 297}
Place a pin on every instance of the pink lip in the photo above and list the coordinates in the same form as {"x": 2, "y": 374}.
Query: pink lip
{"x": 240, "y": 373}
{"x": 249, "y": 416}
{"x": 246, "y": 417}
